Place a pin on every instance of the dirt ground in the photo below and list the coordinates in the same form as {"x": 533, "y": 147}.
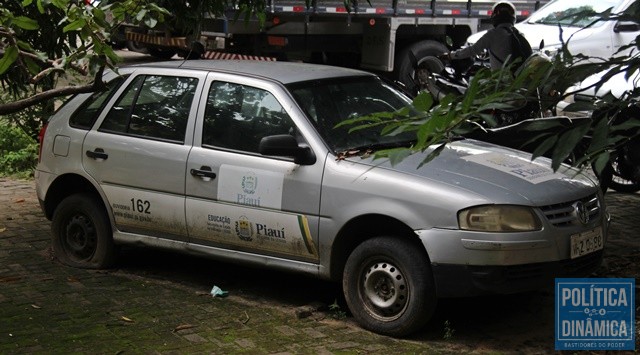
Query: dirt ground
{"x": 159, "y": 302}
{"x": 521, "y": 324}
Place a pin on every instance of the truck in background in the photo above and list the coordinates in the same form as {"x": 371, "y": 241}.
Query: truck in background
{"x": 375, "y": 35}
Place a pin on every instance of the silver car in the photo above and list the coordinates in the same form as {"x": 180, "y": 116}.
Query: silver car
{"x": 241, "y": 161}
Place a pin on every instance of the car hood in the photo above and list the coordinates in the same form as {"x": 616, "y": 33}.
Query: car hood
{"x": 498, "y": 174}
{"x": 535, "y": 33}
{"x": 617, "y": 85}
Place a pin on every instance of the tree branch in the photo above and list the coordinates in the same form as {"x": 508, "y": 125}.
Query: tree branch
{"x": 16, "y": 106}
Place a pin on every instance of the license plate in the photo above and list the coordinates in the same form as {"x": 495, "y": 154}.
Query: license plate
{"x": 586, "y": 242}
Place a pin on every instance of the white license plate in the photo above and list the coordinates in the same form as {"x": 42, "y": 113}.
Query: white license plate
{"x": 586, "y": 242}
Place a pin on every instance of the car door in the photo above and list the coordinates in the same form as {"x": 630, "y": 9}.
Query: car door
{"x": 238, "y": 199}
{"x": 137, "y": 151}
{"x": 624, "y": 33}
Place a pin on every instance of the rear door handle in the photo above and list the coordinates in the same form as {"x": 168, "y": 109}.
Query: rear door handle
{"x": 204, "y": 172}
{"x": 97, "y": 154}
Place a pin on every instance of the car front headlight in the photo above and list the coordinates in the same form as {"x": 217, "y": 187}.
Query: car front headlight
{"x": 499, "y": 218}
{"x": 551, "y": 51}
{"x": 569, "y": 97}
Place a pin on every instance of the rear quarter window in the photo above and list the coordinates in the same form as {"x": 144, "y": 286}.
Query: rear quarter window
{"x": 86, "y": 114}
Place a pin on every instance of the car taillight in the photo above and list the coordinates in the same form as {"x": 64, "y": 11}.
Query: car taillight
{"x": 41, "y": 134}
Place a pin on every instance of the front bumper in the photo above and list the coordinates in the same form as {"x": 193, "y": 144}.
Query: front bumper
{"x": 474, "y": 263}
{"x": 470, "y": 280}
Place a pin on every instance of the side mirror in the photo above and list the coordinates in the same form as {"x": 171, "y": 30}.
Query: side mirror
{"x": 626, "y": 26}
{"x": 285, "y": 145}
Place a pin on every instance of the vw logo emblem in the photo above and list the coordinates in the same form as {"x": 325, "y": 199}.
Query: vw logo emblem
{"x": 581, "y": 212}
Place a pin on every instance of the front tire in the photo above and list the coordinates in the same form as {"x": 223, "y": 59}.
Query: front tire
{"x": 81, "y": 233}
{"x": 389, "y": 287}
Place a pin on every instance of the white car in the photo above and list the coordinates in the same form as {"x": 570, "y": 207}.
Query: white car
{"x": 554, "y": 24}
{"x": 242, "y": 161}
{"x": 618, "y": 86}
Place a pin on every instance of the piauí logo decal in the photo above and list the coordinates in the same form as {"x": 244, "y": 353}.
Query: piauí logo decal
{"x": 244, "y": 229}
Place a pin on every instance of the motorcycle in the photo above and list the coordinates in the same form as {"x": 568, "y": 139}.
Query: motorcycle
{"x": 624, "y": 164}
{"x": 432, "y": 75}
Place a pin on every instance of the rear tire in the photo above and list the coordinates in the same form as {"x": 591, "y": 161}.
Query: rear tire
{"x": 405, "y": 66}
{"x": 389, "y": 287}
{"x": 618, "y": 181}
{"x": 81, "y": 233}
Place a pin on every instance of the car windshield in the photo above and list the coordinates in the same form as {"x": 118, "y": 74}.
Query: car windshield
{"x": 330, "y": 101}
{"x": 572, "y": 13}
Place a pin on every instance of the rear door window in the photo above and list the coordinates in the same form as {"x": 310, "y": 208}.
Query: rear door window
{"x": 154, "y": 107}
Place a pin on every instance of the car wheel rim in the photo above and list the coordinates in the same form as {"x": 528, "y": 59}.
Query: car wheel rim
{"x": 80, "y": 239}
{"x": 385, "y": 291}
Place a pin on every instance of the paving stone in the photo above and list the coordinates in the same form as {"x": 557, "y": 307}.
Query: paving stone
{"x": 46, "y": 307}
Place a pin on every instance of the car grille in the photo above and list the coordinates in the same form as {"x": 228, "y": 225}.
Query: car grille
{"x": 564, "y": 214}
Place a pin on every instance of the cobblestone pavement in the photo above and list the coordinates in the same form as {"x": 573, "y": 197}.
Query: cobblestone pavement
{"x": 159, "y": 302}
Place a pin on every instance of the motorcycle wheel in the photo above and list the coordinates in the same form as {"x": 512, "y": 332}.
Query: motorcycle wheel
{"x": 620, "y": 183}
{"x": 405, "y": 65}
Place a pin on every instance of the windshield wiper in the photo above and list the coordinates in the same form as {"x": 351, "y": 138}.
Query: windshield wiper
{"x": 542, "y": 22}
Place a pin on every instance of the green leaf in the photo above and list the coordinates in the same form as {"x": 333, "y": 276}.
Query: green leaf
{"x": 599, "y": 136}
{"x": 544, "y": 124}
{"x": 396, "y": 155}
{"x": 75, "y": 25}
{"x": 423, "y": 101}
{"x": 580, "y": 106}
{"x": 25, "y": 23}
{"x": 544, "y": 147}
{"x": 61, "y": 4}
{"x": 33, "y": 67}
{"x": 601, "y": 162}
{"x": 9, "y": 57}
{"x": 469, "y": 95}
{"x": 433, "y": 154}
{"x": 626, "y": 125}
{"x": 40, "y": 7}
{"x": 26, "y": 3}
{"x": 568, "y": 141}
{"x": 24, "y": 46}
{"x": 99, "y": 16}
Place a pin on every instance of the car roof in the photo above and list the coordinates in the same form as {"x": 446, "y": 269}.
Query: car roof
{"x": 283, "y": 72}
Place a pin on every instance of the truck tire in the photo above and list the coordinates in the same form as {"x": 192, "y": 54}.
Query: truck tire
{"x": 81, "y": 233}
{"x": 405, "y": 64}
{"x": 138, "y": 47}
{"x": 389, "y": 287}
